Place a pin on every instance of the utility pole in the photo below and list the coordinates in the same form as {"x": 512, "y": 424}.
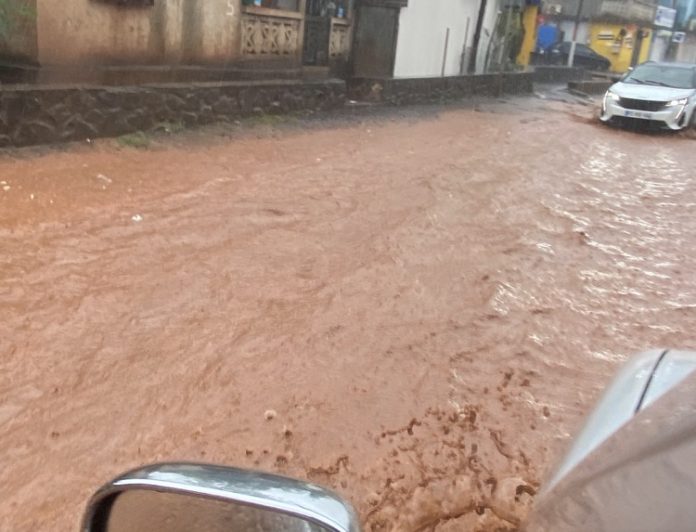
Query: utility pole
{"x": 571, "y": 54}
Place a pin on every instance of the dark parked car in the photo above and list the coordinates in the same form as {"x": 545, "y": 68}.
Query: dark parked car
{"x": 585, "y": 56}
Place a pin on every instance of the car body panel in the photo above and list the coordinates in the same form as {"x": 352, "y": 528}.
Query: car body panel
{"x": 674, "y": 118}
{"x": 642, "y": 477}
{"x": 616, "y": 407}
{"x": 650, "y": 92}
{"x": 674, "y": 367}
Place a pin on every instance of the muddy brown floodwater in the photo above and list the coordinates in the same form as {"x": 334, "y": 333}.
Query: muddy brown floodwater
{"x": 415, "y": 310}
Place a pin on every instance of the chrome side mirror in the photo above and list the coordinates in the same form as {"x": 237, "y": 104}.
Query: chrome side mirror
{"x": 207, "y": 498}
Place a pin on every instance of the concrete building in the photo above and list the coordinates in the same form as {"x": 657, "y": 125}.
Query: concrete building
{"x": 620, "y": 30}
{"x": 433, "y": 37}
{"x": 75, "y": 37}
{"x": 679, "y": 42}
{"x": 420, "y": 38}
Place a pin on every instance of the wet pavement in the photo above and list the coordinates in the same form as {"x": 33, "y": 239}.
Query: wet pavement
{"x": 415, "y": 308}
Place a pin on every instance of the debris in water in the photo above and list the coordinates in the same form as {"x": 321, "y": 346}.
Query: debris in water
{"x": 104, "y": 178}
{"x": 137, "y": 218}
{"x": 270, "y": 414}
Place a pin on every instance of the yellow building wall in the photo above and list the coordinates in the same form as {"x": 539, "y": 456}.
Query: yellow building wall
{"x": 529, "y": 21}
{"x": 606, "y": 39}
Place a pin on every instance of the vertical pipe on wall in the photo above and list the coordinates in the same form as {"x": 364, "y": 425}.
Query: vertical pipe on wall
{"x": 571, "y": 54}
{"x": 463, "y": 63}
{"x": 302, "y": 8}
{"x": 444, "y": 54}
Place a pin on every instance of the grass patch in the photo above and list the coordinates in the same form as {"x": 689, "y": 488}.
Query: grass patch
{"x": 135, "y": 140}
{"x": 169, "y": 127}
{"x": 265, "y": 119}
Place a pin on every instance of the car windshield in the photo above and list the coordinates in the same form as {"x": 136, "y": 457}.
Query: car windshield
{"x": 662, "y": 75}
{"x": 392, "y": 246}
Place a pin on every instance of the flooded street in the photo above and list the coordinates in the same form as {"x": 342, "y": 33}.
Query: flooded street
{"x": 414, "y": 309}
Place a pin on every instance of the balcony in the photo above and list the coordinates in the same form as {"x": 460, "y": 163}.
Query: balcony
{"x": 271, "y": 33}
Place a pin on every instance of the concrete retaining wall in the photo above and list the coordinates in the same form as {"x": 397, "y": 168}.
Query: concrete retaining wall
{"x": 48, "y": 114}
{"x": 39, "y": 115}
{"x": 430, "y": 90}
{"x": 119, "y": 76}
{"x": 591, "y": 86}
{"x": 559, "y": 74}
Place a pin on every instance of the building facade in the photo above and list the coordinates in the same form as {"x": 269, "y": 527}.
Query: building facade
{"x": 620, "y": 30}
{"x": 440, "y": 45}
{"x": 422, "y": 38}
{"x": 79, "y": 34}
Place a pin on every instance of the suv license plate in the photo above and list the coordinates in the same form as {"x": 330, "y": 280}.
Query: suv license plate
{"x": 638, "y": 114}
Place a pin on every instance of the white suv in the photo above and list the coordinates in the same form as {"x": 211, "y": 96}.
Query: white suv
{"x": 659, "y": 94}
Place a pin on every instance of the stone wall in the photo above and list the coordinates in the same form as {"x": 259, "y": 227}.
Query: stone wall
{"x": 39, "y": 115}
{"x": 559, "y": 74}
{"x": 145, "y": 74}
{"x": 599, "y": 86}
{"x": 399, "y": 91}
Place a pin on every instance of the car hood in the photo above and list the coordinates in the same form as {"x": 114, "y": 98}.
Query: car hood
{"x": 650, "y": 92}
